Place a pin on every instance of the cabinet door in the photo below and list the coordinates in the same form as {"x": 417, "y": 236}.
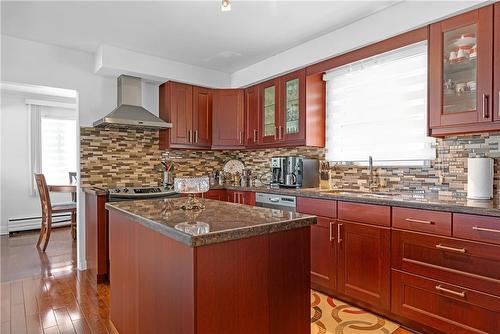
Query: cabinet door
{"x": 252, "y": 113}
{"x": 181, "y": 113}
{"x": 292, "y": 114}
{"x": 460, "y": 65}
{"x": 202, "y": 117}
{"x": 364, "y": 262}
{"x": 496, "y": 65}
{"x": 231, "y": 196}
{"x": 323, "y": 254}
{"x": 229, "y": 113}
{"x": 247, "y": 197}
{"x": 269, "y": 101}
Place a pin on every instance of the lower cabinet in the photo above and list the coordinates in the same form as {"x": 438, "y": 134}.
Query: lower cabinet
{"x": 323, "y": 254}
{"x": 364, "y": 263}
{"x": 240, "y": 197}
{"x": 216, "y": 194}
{"x": 444, "y": 307}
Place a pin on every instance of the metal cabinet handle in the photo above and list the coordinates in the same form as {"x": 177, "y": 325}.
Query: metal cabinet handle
{"x": 241, "y": 137}
{"x": 274, "y": 199}
{"x": 280, "y": 134}
{"x": 339, "y": 239}
{"x": 276, "y": 133}
{"x": 196, "y": 136}
{"x": 451, "y": 292}
{"x": 452, "y": 249}
{"x": 483, "y": 229}
{"x": 411, "y": 220}
{"x": 190, "y": 139}
{"x": 254, "y": 135}
{"x": 486, "y": 113}
{"x": 331, "y": 228}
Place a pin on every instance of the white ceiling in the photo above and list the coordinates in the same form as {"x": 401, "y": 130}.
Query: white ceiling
{"x": 196, "y": 33}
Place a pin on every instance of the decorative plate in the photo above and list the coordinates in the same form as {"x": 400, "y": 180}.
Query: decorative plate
{"x": 234, "y": 166}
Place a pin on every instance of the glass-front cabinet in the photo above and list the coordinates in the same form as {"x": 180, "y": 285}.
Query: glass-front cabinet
{"x": 460, "y": 70}
{"x": 292, "y": 120}
{"x": 269, "y": 112}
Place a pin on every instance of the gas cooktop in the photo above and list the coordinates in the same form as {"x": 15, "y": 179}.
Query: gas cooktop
{"x": 140, "y": 192}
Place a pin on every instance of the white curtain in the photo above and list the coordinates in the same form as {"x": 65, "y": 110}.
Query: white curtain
{"x": 35, "y": 139}
{"x": 378, "y": 107}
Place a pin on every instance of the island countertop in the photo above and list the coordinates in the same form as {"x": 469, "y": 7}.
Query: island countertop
{"x": 217, "y": 222}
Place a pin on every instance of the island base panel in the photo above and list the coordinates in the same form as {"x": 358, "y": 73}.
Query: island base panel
{"x": 251, "y": 285}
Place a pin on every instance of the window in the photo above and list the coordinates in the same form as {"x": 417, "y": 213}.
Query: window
{"x": 53, "y": 141}
{"x": 378, "y": 107}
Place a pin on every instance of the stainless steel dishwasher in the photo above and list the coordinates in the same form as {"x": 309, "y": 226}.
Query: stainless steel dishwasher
{"x": 275, "y": 201}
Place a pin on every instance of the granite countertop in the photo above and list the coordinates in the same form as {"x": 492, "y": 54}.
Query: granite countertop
{"x": 408, "y": 200}
{"x": 95, "y": 190}
{"x": 217, "y": 222}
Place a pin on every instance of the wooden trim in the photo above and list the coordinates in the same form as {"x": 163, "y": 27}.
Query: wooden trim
{"x": 392, "y": 43}
{"x": 464, "y": 129}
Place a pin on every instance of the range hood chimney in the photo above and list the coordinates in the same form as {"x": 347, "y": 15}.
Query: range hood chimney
{"x": 130, "y": 113}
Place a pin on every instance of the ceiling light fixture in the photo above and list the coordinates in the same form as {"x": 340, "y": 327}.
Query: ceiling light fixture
{"x": 225, "y": 6}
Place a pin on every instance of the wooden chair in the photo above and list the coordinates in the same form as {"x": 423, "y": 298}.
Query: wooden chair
{"x": 72, "y": 180}
{"x": 48, "y": 209}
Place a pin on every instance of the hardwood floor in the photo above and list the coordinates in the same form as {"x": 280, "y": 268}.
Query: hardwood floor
{"x": 21, "y": 259}
{"x": 46, "y": 294}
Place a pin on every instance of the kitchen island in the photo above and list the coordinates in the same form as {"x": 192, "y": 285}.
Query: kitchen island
{"x": 227, "y": 268}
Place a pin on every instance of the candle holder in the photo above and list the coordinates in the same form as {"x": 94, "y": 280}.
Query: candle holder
{"x": 192, "y": 186}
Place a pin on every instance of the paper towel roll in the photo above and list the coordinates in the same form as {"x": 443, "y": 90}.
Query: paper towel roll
{"x": 480, "y": 178}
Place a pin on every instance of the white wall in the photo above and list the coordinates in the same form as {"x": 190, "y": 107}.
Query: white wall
{"x": 392, "y": 21}
{"x": 17, "y": 200}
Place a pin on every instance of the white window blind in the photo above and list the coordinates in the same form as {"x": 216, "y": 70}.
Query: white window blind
{"x": 378, "y": 107}
{"x": 54, "y": 148}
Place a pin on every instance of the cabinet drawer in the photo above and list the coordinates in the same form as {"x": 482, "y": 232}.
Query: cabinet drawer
{"x": 445, "y": 307}
{"x": 480, "y": 228}
{"x": 365, "y": 213}
{"x": 317, "y": 207}
{"x": 422, "y": 220}
{"x": 467, "y": 263}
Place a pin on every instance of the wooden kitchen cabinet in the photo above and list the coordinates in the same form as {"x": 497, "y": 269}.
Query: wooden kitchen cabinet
{"x": 269, "y": 112}
{"x": 229, "y": 118}
{"x": 240, "y": 197}
{"x": 364, "y": 263}
{"x": 323, "y": 242}
{"x": 216, "y": 194}
{"x": 324, "y": 255}
{"x": 189, "y": 109}
{"x": 202, "y": 117}
{"x": 252, "y": 116}
{"x": 461, "y": 74}
{"x": 444, "y": 307}
{"x": 496, "y": 64}
{"x": 291, "y": 127}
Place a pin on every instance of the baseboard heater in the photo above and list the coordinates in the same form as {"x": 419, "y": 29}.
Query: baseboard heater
{"x": 34, "y": 223}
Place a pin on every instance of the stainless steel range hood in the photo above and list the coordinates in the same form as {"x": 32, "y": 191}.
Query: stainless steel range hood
{"x": 130, "y": 113}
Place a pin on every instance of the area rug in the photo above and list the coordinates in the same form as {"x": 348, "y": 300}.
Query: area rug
{"x": 331, "y": 316}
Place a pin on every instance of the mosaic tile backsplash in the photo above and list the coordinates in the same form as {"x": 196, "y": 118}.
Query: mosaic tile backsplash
{"x": 112, "y": 157}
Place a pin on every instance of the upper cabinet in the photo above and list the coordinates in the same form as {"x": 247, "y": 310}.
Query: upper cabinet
{"x": 286, "y": 111}
{"x": 189, "y": 109}
{"x": 293, "y": 102}
{"x": 252, "y": 116}
{"x": 496, "y": 65}
{"x": 229, "y": 118}
{"x": 269, "y": 112}
{"x": 461, "y": 73}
